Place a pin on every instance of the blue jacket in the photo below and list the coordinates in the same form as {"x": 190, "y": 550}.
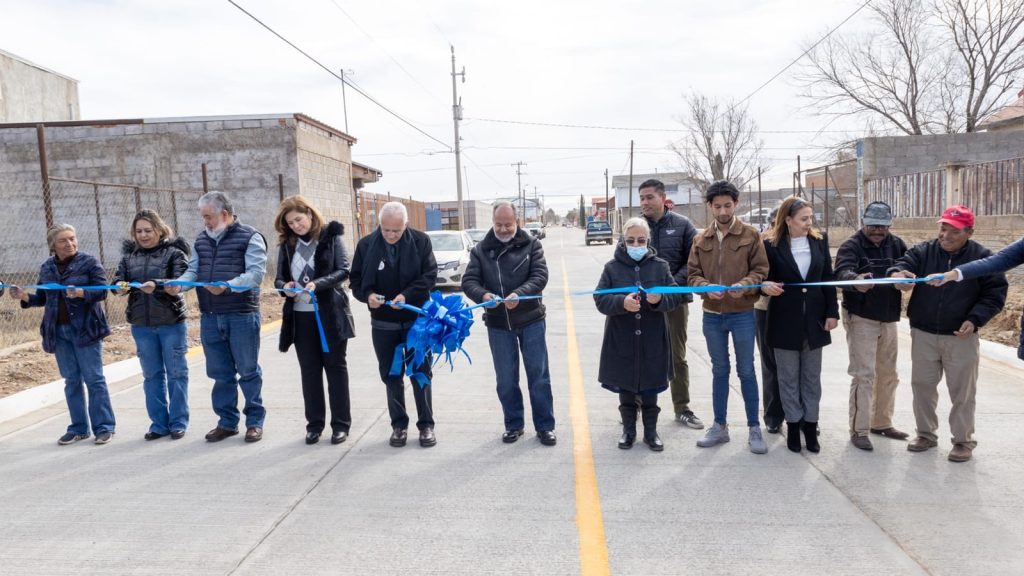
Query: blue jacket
{"x": 1009, "y": 257}
{"x": 85, "y": 314}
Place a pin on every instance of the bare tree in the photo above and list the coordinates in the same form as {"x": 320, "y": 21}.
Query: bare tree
{"x": 933, "y": 67}
{"x": 722, "y": 143}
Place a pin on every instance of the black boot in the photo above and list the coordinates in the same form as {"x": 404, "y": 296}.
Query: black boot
{"x": 793, "y": 436}
{"x": 628, "y": 437}
{"x": 811, "y": 436}
{"x": 650, "y": 416}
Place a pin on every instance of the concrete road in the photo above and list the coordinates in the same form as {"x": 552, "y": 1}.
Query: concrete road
{"x": 472, "y": 505}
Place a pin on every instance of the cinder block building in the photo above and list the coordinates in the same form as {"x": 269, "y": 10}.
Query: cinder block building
{"x": 32, "y": 93}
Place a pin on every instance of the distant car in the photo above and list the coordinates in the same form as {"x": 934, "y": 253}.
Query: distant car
{"x": 758, "y": 218}
{"x": 598, "y": 231}
{"x": 451, "y": 250}
{"x": 476, "y": 235}
{"x": 536, "y": 229}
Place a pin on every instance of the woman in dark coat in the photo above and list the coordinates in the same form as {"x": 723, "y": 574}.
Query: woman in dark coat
{"x": 799, "y": 317}
{"x": 152, "y": 256}
{"x": 73, "y": 328}
{"x": 636, "y": 355}
{"x": 313, "y": 256}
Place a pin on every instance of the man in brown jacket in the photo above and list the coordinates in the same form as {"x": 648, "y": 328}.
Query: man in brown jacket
{"x": 729, "y": 253}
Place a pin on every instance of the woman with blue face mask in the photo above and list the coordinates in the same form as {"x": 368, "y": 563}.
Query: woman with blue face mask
{"x": 636, "y": 355}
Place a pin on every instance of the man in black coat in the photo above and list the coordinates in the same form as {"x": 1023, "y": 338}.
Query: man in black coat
{"x": 672, "y": 237}
{"x": 870, "y": 314}
{"x": 509, "y": 263}
{"x": 944, "y": 323}
{"x": 397, "y": 263}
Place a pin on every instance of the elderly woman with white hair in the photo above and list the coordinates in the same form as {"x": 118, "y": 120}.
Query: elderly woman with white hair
{"x": 396, "y": 263}
{"x": 73, "y": 328}
{"x": 636, "y": 355}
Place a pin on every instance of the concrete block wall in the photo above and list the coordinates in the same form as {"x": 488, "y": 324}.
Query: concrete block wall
{"x": 896, "y": 155}
{"x": 325, "y": 176}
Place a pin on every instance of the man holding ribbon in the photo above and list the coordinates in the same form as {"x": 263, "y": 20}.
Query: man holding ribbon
{"x": 507, "y": 264}
{"x": 731, "y": 254}
{"x": 396, "y": 264}
{"x": 944, "y": 323}
{"x": 230, "y": 260}
{"x": 870, "y": 313}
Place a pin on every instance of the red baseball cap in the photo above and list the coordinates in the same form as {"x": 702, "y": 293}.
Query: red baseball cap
{"x": 958, "y": 216}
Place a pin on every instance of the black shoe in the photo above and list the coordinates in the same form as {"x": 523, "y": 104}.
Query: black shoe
{"x": 773, "y": 427}
{"x": 312, "y": 437}
{"x": 398, "y": 437}
{"x": 793, "y": 436}
{"x": 153, "y": 435}
{"x": 427, "y": 438}
{"x": 71, "y": 438}
{"x": 339, "y": 436}
{"x": 626, "y": 440}
{"x": 811, "y": 436}
{"x": 654, "y": 442}
{"x": 103, "y": 437}
{"x": 177, "y": 434}
{"x": 511, "y": 436}
{"x": 218, "y": 434}
{"x": 547, "y": 437}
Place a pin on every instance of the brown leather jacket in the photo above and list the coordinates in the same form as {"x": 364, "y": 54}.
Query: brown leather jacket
{"x": 738, "y": 259}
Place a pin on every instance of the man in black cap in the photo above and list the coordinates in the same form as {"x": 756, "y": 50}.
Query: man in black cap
{"x": 870, "y": 314}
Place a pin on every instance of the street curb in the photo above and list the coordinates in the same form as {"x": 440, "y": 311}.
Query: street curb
{"x": 26, "y": 401}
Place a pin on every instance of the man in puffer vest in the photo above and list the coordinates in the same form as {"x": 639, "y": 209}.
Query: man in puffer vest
{"x": 229, "y": 251}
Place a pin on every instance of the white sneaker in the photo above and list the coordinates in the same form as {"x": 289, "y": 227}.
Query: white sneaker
{"x": 717, "y": 434}
{"x": 756, "y": 441}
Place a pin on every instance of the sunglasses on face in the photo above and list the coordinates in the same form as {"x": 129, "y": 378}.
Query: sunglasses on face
{"x": 641, "y": 241}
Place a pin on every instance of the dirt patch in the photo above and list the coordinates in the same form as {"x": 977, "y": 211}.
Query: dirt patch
{"x": 23, "y": 367}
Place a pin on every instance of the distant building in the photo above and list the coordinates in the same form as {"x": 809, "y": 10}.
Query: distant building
{"x": 476, "y": 214}
{"x": 681, "y": 188}
{"x": 31, "y": 93}
{"x": 1009, "y": 117}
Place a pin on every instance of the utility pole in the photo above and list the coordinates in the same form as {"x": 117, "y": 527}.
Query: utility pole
{"x": 456, "y": 116}
{"x": 630, "y": 178}
{"x": 344, "y": 102}
{"x": 607, "y": 206}
{"x": 519, "y": 190}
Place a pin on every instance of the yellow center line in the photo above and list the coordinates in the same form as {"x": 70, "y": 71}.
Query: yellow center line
{"x": 589, "y": 521}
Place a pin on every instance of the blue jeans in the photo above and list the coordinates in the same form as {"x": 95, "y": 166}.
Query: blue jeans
{"x": 231, "y": 343}
{"x": 161, "y": 352}
{"x": 78, "y": 365}
{"x": 744, "y": 331}
{"x": 505, "y": 348}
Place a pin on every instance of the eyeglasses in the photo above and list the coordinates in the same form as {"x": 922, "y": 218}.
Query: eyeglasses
{"x": 641, "y": 241}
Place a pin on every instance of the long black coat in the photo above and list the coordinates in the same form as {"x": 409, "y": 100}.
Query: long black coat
{"x": 636, "y": 355}
{"x": 330, "y": 269}
{"x": 798, "y": 315}
{"x": 165, "y": 261}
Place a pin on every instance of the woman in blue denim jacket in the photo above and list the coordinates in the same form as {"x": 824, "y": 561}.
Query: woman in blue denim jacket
{"x": 73, "y": 328}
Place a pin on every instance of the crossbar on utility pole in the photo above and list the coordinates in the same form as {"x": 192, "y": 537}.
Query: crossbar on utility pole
{"x": 456, "y": 116}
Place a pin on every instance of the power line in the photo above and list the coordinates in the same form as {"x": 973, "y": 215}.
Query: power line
{"x": 632, "y": 128}
{"x": 805, "y": 52}
{"x": 359, "y": 90}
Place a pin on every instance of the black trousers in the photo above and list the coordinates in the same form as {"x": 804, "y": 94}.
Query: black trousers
{"x": 773, "y": 415}
{"x": 384, "y": 344}
{"x": 313, "y": 363}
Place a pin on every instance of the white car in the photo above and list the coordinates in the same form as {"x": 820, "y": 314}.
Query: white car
{"x": 451, "y": 250}
{"x": 477, "y": 234}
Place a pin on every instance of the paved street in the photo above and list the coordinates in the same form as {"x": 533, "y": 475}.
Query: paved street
{"x": 473, "y": 505}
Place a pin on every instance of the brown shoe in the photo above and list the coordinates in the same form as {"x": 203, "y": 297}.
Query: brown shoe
{"x": 254, "y": 434}
{"x": 960, "y": 453}
{"x": 890, "y": 432}
{"x": 218, "y": 434}
{"x": 862, "y": 442}
{"x": 921, "y": 444}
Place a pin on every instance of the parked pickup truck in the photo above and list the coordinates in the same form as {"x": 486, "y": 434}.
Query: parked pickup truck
{"x": 598, "y": 231}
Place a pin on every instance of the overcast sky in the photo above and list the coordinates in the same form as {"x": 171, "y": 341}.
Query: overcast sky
{"x": 594, "y": 62}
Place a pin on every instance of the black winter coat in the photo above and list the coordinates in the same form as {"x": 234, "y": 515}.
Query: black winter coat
{"x": 330, "y": 270}
{"x": 417, "y": 272}
{"x": 858, "y": 255}
{"x": 501, "y": 269}
{"x": 165, "y": 261}
{"x": 798, "y": 314}
{"x": 636, "y": 355}
{"x": 672, "y": 239}
{"x": 944, "y": 309}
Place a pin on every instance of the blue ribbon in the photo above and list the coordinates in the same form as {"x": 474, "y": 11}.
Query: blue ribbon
{"x": 186, "y": 283}
{"x": 443, "y": 325}
{"x": 722, "y": 288}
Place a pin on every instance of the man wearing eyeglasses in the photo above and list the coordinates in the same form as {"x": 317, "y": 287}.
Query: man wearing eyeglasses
{"x": 870, "y": 314}
{"x": 672, "y": 237}
{"x": 730, "y": 253}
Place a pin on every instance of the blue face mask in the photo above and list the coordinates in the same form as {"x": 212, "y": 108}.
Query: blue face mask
{"x": 636, "y": 252}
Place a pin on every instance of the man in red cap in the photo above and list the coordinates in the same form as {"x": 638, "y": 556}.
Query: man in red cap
{"x": 944, "y": 323}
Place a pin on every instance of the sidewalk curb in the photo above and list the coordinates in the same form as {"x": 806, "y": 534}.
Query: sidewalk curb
{"x": 26, "y": 401}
